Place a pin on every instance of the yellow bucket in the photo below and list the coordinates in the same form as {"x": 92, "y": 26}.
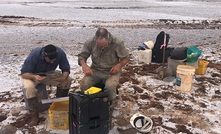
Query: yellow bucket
{"x": 58, "y": 115}
{"x": 202, "y": 66}
{"x": 184, "y": 77}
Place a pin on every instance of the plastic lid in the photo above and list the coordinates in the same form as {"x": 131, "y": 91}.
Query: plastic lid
{"x": 92, "y": 90}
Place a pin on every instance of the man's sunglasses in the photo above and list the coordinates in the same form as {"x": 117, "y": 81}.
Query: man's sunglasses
{"x": 51, "y": 56}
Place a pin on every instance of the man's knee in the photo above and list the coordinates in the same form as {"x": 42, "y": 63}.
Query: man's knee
{"x": 111, "y": 84}
{"x": 29, "y": 89}
{"x": 86, "y": 83}
{"x": 66, "y": 84}
{"x": 30, "y": 92}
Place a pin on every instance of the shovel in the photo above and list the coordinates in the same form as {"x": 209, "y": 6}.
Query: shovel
{"x": 162, "y": 69}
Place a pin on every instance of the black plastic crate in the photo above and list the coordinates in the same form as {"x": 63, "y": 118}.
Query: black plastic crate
{"x": 89, "y": 114}
{"x": 95, "y": 126}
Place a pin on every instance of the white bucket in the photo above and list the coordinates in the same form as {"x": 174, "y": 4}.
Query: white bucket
{"x": 184, "y": 77}
{"x": 145, "y": 56}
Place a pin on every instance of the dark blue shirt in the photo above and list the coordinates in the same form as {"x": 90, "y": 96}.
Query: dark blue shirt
{"x": 36, "y": 63}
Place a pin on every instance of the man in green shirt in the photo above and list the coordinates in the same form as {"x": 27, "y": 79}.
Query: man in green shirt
{"x": 108, "y": 55}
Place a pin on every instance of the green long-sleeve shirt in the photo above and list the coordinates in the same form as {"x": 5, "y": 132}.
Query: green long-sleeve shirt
{"x": 104, "y": 59}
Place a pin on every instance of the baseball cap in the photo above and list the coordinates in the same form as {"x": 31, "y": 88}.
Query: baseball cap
{"x": 50, "y": 51}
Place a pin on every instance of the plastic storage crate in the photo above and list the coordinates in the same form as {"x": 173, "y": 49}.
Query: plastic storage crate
{"x": 58, "y": 115}
{"x": 88, "y": 115}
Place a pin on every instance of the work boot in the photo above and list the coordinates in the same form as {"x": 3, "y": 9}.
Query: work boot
{"x": 34, "y": 112}
{"x": 61, "y": 92}
{"x": 34, "y": 115}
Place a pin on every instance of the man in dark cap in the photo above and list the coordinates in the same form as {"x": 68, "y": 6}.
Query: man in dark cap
{"x": 40, "y": 67}
{"x": 108, "y": 55}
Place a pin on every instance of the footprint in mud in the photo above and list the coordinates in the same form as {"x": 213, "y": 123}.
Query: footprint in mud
{"x": 20, "y": 122}
{"x": 2, "y": 117}
{"x": 168, "y": 94}
{"x": 137, "y": 89}
{"x": 184, "y": 108}
{"x": 126, "y": 98}
{"x": 183, "y": 129}
{"x": 156, "y": 104}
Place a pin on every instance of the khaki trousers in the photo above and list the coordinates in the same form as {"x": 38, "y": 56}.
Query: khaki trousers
{"x": 111, "y": 82}
{"x": 30, "y": 85}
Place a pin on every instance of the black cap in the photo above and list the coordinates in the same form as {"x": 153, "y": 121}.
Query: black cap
{"x": 50, "y": 51}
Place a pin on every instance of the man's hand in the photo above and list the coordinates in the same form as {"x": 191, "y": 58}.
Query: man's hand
{"x": 115, "y": 69}
{"x": 61, "y": 78}
{"x": 87, "y": 70}
{"x": 39, "y": 78}
{"x": 33, "y": 77}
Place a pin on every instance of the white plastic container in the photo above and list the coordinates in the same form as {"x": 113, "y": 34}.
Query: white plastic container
{"x": 145, "y": 56}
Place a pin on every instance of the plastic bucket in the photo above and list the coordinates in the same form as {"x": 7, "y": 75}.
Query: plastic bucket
{"x": 184, "y": 77}
{"x": 58, "y": 115}
{"x": 172, "y": 65}
{"x": 202, "y": 66}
